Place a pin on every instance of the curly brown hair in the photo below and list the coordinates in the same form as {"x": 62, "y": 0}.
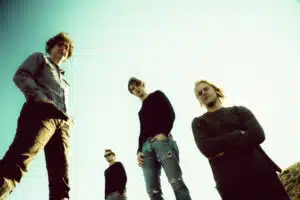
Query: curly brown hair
{"x": 62, "y": 36}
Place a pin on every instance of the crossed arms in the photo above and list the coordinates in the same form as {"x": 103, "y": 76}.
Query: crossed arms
{"x": 213, "y": 146}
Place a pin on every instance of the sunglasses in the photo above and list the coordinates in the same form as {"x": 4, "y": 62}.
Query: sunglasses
{"x": 107, "y": 155}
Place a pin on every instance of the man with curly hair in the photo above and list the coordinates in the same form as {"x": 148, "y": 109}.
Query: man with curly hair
{"x": 43, "y": 123}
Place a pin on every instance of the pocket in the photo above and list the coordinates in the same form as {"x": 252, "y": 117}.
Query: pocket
{"x": 162, "y": 144}
{"x": 173, "y": 144}
{"x": 146, "y": 148}
{"x": 175, "y": 147}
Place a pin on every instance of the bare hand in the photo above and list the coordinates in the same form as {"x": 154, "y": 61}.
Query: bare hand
{"x": 140, "y": 159}
{"x": 46, "y": 101}
{"x": 220, "y": 154}
{"x": 161, "y": 137}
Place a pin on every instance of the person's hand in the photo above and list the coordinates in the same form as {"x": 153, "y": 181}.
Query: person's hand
{"x": 46, "y": 101}
{"x": 140, "y": 159}
{"x": 220, "y": 154}
{"x": 51, "y": 103}
{"x": 161, "y": 137}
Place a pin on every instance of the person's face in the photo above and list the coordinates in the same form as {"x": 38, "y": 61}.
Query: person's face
{"x": 137, "y": 89}
{"x": 60, "y": 50}
{"x": 206, "y": 94}
{"x": 109, "y": 156}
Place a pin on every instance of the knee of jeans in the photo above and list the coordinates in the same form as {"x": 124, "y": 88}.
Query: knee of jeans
{"x": 177, "y": 183}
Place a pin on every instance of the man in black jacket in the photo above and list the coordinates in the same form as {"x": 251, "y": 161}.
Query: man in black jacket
{"x": 230, "y": 138}
{"x": 156, "y": 147}
{"x": 115, "y": 178}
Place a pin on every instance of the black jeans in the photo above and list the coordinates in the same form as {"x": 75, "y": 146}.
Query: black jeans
{"x": 39, "y": 127}
{"x": 257, "y": 187}
{"x": 116, "y": 196}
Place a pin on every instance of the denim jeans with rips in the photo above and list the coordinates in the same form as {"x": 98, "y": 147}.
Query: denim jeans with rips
{"x": 163, "y": 154}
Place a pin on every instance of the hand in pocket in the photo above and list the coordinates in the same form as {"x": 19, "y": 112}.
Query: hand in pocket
{"x": 161, "y": 137}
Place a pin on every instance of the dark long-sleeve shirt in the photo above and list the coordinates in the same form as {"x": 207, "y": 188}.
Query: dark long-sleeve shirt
{"x": 236, "y": 132}
{"x": 115, "y": 179}
{"x": 156, "y": 116}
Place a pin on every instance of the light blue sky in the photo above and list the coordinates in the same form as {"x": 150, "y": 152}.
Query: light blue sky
{"x": 249, "y": 48}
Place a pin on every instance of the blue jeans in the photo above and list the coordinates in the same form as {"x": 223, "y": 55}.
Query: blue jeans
{"x": 163, "y": 154}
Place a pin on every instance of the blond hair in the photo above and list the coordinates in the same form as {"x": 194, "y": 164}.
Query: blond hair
{"x": 219, "y": 91}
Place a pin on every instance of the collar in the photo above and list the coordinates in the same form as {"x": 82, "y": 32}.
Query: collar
{"x": 48, "y": 61}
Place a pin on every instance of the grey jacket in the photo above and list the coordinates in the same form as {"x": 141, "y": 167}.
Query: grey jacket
{"x": 39, "y": 79}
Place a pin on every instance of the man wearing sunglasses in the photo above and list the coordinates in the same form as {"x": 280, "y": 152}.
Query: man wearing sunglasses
{"x": 115, "y": 178}
{"x": 157, "y": 149}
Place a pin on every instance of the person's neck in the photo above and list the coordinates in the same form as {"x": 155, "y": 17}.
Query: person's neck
{"x": 111, "y": 163}
{"x": 217, "y": 105}
{"x": 57, "y": 61}
{"x": 142, "y": 98}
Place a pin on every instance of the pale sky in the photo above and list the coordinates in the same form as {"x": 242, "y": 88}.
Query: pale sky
{"x": 249, "y": 48}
